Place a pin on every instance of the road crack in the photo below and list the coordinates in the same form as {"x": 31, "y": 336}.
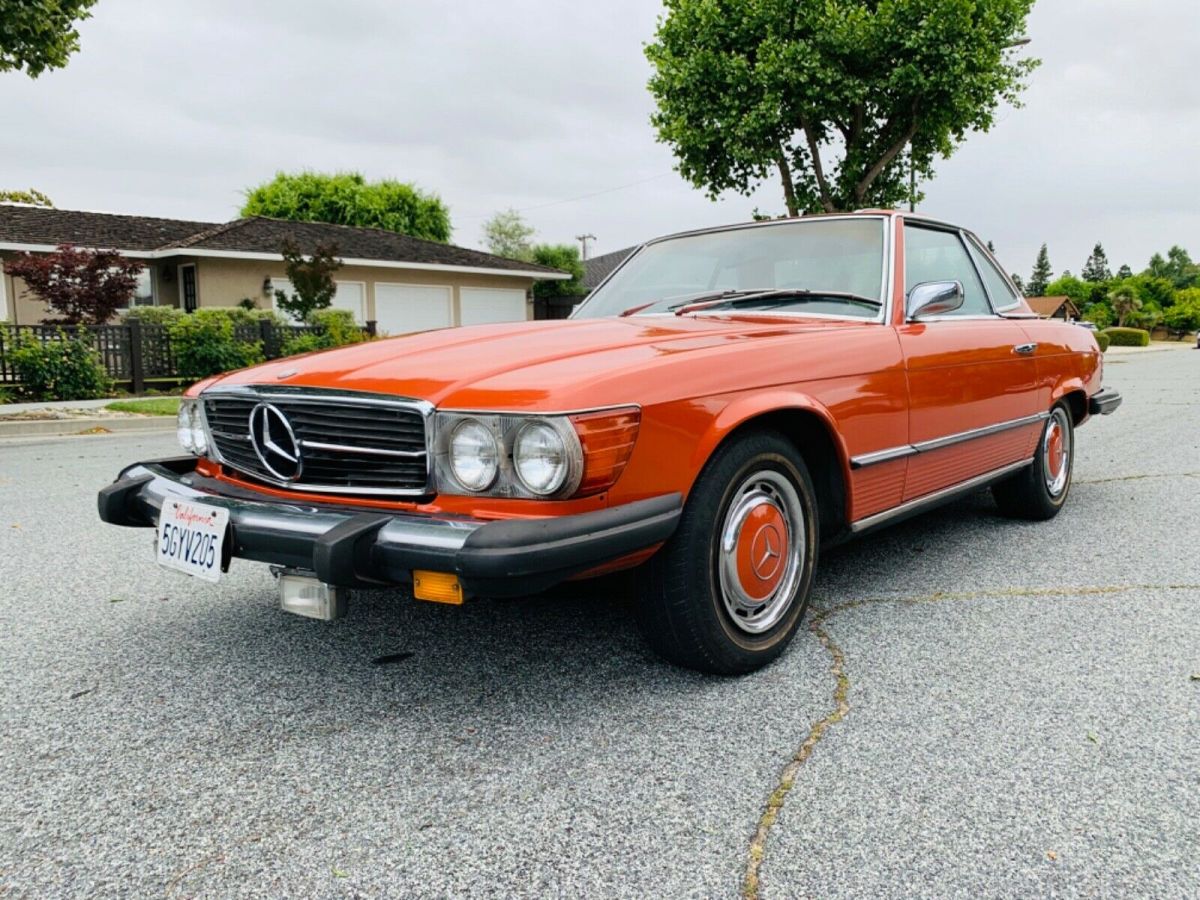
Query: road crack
{"x": 1116, "y": 478}
{"x": 756, "y": 853}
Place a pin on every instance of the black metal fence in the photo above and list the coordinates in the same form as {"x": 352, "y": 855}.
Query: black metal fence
{"x": 134, "y": 353}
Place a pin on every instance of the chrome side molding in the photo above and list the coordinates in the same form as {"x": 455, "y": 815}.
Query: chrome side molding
{"x": 882, "y": 456}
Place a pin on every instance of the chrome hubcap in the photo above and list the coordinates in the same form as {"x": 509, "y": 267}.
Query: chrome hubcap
{"x": 1056, "y": 453}
{"x": 761, "y": 555}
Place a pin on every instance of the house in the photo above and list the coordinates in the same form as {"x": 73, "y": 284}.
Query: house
{"x": 401, "y": 283}
{"x": 1054, "y": 307}
{"x": 596, "y": 269}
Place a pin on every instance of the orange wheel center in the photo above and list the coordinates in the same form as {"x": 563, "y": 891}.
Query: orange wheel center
{"x": 762, "y": 552}
{"x": 1054, "y": 453}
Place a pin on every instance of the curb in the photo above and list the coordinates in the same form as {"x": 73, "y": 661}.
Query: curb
{"x": 84, "y": 425}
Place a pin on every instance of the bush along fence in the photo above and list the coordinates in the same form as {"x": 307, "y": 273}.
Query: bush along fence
{"x": 135, "y": 352}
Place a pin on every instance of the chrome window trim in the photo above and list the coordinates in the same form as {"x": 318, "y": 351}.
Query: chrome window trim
{"x": 987, "y": 254}
{"x": 301, "y": 394}
{"x": 962, "y": 235}
{"x": 906, "y": 450}
{"x": 889, "y": 249}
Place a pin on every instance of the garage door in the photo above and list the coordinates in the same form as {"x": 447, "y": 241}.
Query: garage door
{"x": 483, "y": 305}
{"x": 351, "y": 295}
{"x": 401, "y": 308}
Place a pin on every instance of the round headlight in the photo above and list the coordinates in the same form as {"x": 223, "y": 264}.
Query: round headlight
{"x": 183, "y": 426}
{"x": 474, "y": 456}
{"x": 540, "y": 458}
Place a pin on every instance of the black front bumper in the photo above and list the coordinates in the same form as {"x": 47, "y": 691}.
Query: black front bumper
{"x": 1104, "y": 402}
{"x": 355, "y": 548}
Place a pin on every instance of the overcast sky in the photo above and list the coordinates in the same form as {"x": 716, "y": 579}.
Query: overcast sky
{"x": 173, "y": 107}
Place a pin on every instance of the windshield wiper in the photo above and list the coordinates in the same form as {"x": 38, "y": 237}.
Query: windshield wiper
{"x": 783, "y": 296}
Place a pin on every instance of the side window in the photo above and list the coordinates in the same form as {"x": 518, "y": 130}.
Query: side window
{"x": 998, "y": 288}
{"x": 934, "y": 255}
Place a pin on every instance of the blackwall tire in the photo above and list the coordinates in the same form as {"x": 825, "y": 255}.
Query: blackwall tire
{"x": 1039, "y": 491}
{"x": 728, "y": 592}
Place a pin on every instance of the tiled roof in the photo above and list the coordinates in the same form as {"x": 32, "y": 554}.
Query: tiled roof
{"x": 40, "y": 226}
{"x": 596, "y": 269}
{"x": 1048, "y": 307}
{"x": 262, "y": 235}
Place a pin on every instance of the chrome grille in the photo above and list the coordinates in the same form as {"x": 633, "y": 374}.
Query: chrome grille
{"x": 349, "y": 442}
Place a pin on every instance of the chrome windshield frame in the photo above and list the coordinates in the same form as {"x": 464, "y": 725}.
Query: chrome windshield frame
{"x": 887, "y": 281}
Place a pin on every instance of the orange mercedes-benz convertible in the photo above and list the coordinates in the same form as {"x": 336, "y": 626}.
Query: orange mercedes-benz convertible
{"x": 725, "y": 404}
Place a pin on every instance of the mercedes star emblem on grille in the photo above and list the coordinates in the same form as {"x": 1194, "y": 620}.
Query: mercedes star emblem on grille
{"x": 275, "y": 442}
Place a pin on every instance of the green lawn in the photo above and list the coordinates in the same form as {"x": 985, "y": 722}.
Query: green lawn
{"x": 157, "y": 406}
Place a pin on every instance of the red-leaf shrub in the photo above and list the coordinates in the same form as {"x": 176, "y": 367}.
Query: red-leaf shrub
{"x": 81, "y": 286}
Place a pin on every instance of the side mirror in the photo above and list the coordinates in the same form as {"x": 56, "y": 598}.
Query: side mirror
{"x": 934, "y": 298}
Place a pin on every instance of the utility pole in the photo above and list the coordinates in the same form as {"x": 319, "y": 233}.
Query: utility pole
{"x": 583, "y": 240}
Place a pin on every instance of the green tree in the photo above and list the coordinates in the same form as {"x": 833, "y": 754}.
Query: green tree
{"x": 1152, "y": 289}
{"x": 1124, "y": 272}
{"x": 566, "y": 258}
{"x": 838, "y": 100}
{"x": 1177, "y": 268}
{"x": 31, "y": 197}
{"x": 507, "y": 234}
{"x": 1042, "y": 273}
{"x": 1019, "y": 282}
{"x": 1100, "y": 314}
{"x": 36, "y": 36}
{"x": 1078, "y": 290}
{"x": 347, "y": 198}
{"x": 1096, "y": 268}
{"x": 1125, "y": 304}
{"x": 1184, "y": 316}
{"x": 312, "y": 280}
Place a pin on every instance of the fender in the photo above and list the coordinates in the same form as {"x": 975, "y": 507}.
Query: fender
{"x": 750, "y": 406}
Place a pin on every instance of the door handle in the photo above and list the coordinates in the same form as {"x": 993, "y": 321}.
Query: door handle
{"x": 1025, "y": 348}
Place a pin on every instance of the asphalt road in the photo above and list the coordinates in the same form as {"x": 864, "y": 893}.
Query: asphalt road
{"x": 981, "y": 708}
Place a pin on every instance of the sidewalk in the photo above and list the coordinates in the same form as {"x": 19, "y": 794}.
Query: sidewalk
{"x": 10, "y": 409}
{"x": 75, "y": 417}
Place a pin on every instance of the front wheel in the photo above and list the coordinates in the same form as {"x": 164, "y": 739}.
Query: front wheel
{"x": 1039, "y": 491}
{"x": 728, "y": 591}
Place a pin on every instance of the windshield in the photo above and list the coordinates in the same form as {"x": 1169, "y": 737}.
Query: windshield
{"x": 822, "y": 262}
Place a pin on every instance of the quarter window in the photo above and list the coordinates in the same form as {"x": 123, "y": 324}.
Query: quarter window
{"x": 934, "y": 255}
{"x": 1002, "y": 294}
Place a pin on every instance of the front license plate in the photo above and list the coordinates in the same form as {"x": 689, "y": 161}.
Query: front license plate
{"x": 191, "y": 537}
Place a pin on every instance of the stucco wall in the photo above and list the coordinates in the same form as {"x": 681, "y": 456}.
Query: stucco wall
{"x": 26, "y": 309}
{"x": 224, "y": 282}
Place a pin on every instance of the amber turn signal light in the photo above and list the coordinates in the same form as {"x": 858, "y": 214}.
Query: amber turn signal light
{"x": 607, "y": 439}
{"x": 440, "y": 587}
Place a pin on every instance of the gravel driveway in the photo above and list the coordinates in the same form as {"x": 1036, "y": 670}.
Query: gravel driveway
{"x": 980, "y": 707}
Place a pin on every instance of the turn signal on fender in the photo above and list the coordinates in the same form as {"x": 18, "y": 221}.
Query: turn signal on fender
{"x": 607, "y": 439}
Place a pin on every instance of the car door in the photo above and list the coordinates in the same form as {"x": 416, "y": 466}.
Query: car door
{"x": 972, "y": 380}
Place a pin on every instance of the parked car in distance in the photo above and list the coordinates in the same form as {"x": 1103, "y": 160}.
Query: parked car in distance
{"x": 1090, "y": 326}
{"x": 724, "y": 405}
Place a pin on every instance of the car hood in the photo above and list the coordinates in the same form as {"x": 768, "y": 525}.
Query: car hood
{"x": 544, "y": 365}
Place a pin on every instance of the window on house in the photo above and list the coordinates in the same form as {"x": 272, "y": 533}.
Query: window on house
{"x": 143, "y": 294}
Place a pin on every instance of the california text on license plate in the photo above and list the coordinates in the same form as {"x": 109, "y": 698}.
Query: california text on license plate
{"x": 191, "y": 537}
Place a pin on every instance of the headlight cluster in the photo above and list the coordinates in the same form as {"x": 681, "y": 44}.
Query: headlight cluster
{"x": 507, "y": 455}
{"x": 193, "y": 436}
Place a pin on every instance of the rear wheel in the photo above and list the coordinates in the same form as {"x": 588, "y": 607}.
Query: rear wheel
{"x": 1039, "y": 491}
{"x": 728, "y": 591}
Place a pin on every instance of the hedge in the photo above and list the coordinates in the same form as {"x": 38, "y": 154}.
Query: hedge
{"x": 1127, "y": 337}
{"x": 1103, "y": 340}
